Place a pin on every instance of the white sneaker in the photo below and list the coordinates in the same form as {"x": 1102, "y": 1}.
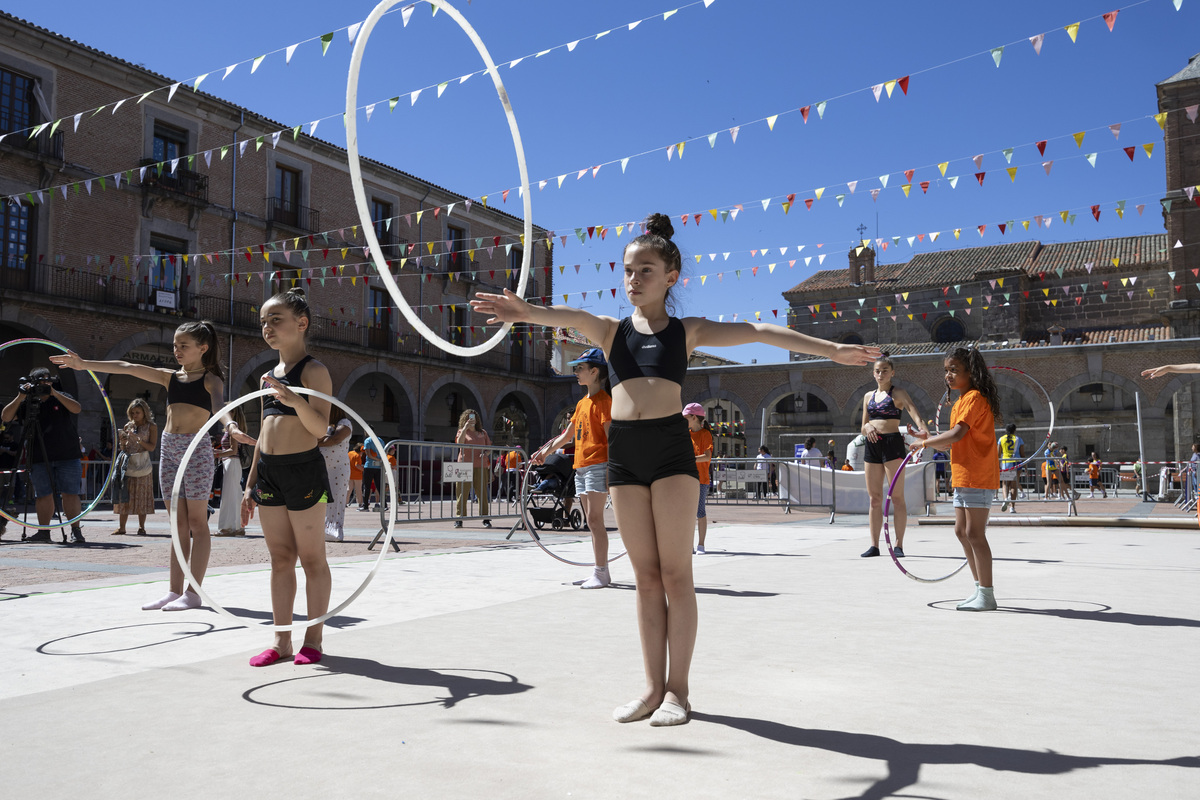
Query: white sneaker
{"x": 700, "y": 550}
{"x": 1004, "y": 506}
{"x": 598, "y": 580}
{"x": 984, "y": 600}
{"x": 169, "y": 597}
{"x": 185, "y": 601}
{"x": 333, "y": 537}
{"x": 1012, "y": 509}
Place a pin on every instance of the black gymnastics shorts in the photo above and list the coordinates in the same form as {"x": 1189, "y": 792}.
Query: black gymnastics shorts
{"x": 890, "y": 447}
{"x": 642, "y": 451}
{"x": 296, "y": 480}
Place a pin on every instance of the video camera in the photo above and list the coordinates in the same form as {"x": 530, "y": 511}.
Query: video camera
{"x": 35, "y": 388}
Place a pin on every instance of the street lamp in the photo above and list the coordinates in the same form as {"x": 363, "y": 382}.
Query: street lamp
{"x": 1097, "y": 395}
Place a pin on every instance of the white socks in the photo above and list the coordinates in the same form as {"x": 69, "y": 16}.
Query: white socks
{"x": 169, "y": 597}
{"x": 183, "y": 602}
{"x": 974, "y": 594}
{"x": 984, "y": 599}
{"x": 599, "y": 579}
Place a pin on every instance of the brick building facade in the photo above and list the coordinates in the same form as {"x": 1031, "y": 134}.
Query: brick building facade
{"x": 183, "y": 206}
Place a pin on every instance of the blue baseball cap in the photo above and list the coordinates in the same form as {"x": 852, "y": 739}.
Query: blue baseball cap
{"x": 593, "y": 356}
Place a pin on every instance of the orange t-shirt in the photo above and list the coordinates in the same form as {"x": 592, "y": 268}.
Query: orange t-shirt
{"x": 702, "y": 443}
{"x": 1094, "y": 470}
{"x": 355, "y": 465}
{"x": 974, "y": 459}
{"x": 591, "y": 442}
{"x": 513, "y": 459}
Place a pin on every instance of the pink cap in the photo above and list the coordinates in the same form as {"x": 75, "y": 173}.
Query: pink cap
{"x": 693, "y": 409}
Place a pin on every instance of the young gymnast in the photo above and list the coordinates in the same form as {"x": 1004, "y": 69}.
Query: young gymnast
{"x": 652, "y": 472}
{"x": 885, "y": 449}
{"x": 194, "y": 393}
{"x": 288, "y": 481}
{"x": 702, "y": 446}
{"x": 589, "y": 429}
{"x": 974, "y": 465}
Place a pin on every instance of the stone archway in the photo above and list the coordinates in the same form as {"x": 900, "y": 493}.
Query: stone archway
{"x": 516, "y": 419}
{"x": 444, "y": 401}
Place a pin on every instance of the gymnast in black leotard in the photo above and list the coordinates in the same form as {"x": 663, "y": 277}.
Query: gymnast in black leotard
{"x": 652, "y": 468}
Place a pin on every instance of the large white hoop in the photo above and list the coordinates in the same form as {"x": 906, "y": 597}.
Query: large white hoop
{"x": 360, "y": 197}
{"x": 177, "y": 518}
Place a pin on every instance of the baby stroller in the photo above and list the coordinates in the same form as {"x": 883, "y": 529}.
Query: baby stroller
{"x": 555, "y": 485}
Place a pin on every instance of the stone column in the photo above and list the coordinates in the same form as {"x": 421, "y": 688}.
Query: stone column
{"x": 1185, "y": 426}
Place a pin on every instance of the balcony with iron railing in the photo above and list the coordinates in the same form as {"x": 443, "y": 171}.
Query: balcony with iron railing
{"x": 42, "y": 146}
{"x": 287, "y": 212}
{"x": 180, "y": 183}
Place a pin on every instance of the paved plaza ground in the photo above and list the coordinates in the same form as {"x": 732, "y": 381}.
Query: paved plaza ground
{"x": 471, "y": 667}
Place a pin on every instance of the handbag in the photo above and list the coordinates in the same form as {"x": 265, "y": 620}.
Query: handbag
{"x": 138, "y": 465}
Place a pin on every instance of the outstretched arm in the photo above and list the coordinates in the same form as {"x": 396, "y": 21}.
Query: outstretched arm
{"x": 943, "y": 440}
{"x": 1163, "y": 370}
{"x": 71, "y": 360}
{"x": 508, "y": 307}
{"x": 706, "y": 333}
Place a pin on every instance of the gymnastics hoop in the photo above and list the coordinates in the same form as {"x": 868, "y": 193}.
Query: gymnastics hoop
{"x": 887, "y": 536}
{"x": 525, "y": 495}
{"x": 360, "y": 197}
{"x": 202, "y": 435}
{"x": 112, "y": 421}
{"x": 1037, "y": 450}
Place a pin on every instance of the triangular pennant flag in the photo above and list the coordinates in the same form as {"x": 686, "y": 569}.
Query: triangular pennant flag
{"x": 1012, "y": 174}
{"x": 1072, "y": 30}
{"x": 1046, "y": 165}
{"x": 1036, "y": 41}
{"x": 997, "y": 52}
{"x": 1078, "y": 137}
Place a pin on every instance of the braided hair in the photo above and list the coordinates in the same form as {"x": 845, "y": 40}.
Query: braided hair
{"x": 979, "y": 375}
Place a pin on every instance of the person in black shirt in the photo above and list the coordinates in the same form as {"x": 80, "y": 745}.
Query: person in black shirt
{"x": 60, "y": 455}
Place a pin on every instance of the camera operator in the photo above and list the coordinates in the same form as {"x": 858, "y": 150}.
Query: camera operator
{"x": 44, "y": 408}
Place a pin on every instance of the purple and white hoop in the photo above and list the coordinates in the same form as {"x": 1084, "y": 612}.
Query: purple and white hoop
{"x": 887, "y": 536}
{"x": 527, "y": 484}
{"x": 1049, "y": 432}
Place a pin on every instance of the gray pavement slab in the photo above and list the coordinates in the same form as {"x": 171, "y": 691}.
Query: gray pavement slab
{"x": 817, "y": 674}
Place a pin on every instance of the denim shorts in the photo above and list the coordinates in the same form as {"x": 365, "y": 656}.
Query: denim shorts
{"x": 592, "y": 479}
{"x": 68, "y": 477}
{"x": 965, "y": 497}
{"x": 701, "y": 513}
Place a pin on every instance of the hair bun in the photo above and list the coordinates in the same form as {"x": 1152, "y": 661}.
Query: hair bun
{"x": 296, "y": 290}
{"x": 659, "y": 225}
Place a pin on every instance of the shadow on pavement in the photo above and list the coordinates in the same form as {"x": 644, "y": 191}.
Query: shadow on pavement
{"x": 458, "y": 687}
{"x": 904, "y": 760}
{"x": 177, "y": 635}
{"x": 338, "y": 622}
{"x": 707, "y": 590}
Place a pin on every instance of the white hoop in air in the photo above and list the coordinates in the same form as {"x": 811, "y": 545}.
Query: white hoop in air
{"x": 360, "y": 197}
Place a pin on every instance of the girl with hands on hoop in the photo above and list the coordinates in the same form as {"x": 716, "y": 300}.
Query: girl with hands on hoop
{"x": 652, "y": 473}
{"x": 885, "y": 449}
{"x": 974, "y": 465}
{"x": 194, "y": 394}
{"x": 589, "y": 429}
{"x": 288, "y": 481}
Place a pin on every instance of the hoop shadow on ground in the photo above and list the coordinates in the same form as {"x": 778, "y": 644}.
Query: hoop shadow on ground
{"x": 47, "y": 648}
{"x": 1101, "y": 613}
{"x": 459, "y": 687}
{"x": 339, "y": 622}
{"x": 904, "y": 760}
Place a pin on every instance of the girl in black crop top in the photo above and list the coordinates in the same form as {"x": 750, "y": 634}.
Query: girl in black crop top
{"x": 885, "y": 450}
{"x": 652, "y": 469}
{"x": 194, "y": 392}
{"x": 288, "y": 482}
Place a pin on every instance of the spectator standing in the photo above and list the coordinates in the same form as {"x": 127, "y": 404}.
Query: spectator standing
{"x": 1012, "y": 451}
{"x": 1094, "y": 476}
{"x": 702, "y": 444}
{"x": 137, "y": 439}
{"x": 229, "y": 453}
{"x": 372, "y": 465}
{"x": 470, "y": 432}
{"x": 335, "y": 447}
{"x": 356, "y": 474}
{"x": 54, "y": 468}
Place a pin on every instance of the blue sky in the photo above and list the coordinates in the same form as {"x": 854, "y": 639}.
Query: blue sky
{"x": 700, "y": 72}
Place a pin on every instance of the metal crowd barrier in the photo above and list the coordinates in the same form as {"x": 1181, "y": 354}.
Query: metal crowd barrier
{"x": 430, "y": 479}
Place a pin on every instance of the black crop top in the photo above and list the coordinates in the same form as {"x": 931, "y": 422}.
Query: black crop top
{"x": 648, "y": 355}
{"x": 883, "y": 409}
{"x": 193, "y": 393}
{"x": 271, "y": 406}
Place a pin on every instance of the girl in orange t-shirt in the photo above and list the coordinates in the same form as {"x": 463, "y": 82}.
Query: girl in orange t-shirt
{"x": 974, "y": 464}
{"x": 702, "y": 444}
{"x": 589, "y": 429}
{"x": 355, "y": 457}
